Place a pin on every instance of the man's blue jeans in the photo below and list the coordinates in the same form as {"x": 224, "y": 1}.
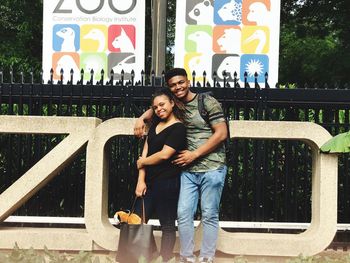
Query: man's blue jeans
{"x": 208, "y": 187}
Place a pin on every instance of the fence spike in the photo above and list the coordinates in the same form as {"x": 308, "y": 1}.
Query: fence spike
{"x": 51, "y": 76}
{"x": 41, "y": 74}
{"x": 267, "y": 86}
{"x": 256, "y": 83}
{"x": 81, "y": 81}
{"x": 21, "y": 74}
{"x": 143, "y": 77}
{"x": 224, "y": 74}
{"x": 246, "y": 84}
{"x": 336, "y": 85}
{"x": 214, "y": 78}
{"x": 111, "y": 77}
{"x": 163, "y": 78}
{"x": 71, "y": 75}
{"x": 31, "y": 73}
{"x": 61, "y": 76}
{"x": 235, "y": 80}
{"x": 102, "y": 77}
{"x": 132, "y": 77}
{"x": 91, "y": 82}
{"x": 11, "y": 75}
{"x": 122, "y": 77}
{"x": 193, "y": 78}
{"x": 204, "y": 78}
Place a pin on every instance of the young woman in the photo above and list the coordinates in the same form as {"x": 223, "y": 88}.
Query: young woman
{"x": 159, "y": 178}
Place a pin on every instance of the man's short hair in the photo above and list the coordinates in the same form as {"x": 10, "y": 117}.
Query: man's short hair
{"x": 175, "y": 72}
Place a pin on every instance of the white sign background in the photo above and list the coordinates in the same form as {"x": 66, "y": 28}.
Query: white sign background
{"x": 228, "y": 36}
{"x": 93, "y": 35}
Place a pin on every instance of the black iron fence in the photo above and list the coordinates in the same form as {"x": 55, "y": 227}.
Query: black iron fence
{"x": 267, "y": 180}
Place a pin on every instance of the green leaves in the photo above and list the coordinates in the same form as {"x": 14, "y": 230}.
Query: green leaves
{"x": 34, "y": 256}
{"x": 314, "y": 41}
{"x": 18, "y": 255}
{"x": 22, "y": 255}
{"x": 338, "y": 144}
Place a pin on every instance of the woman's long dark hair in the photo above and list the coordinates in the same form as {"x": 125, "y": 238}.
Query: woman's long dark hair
{"x": 178, "y": 110}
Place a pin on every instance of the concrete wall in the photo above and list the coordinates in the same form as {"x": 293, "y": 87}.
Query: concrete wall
{"x": 100, "y": 234}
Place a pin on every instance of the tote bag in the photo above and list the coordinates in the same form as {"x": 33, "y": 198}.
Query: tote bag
{"x": 136, "y": 241}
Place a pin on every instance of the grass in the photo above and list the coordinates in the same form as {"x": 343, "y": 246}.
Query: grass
{"x": 34, "y": 256}
{"x": 18, "y": 255}
{"x": 320, "y": 259}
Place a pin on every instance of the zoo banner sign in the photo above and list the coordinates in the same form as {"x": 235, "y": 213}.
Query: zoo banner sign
{"x": 93, "y": 35}
{"x": 228, "y": 36}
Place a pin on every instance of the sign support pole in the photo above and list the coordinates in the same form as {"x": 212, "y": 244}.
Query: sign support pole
{"x": 159, "y": 8}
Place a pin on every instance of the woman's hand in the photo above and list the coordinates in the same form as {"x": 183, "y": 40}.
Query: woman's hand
{"x": 141, "y": 189}
{"x": 140, "y": 163}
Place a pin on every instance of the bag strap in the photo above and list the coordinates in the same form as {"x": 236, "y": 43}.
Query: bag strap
{"x": 143, "y": 218}
{"x": 205, "y": 114}
{"x": 201, "y": 106}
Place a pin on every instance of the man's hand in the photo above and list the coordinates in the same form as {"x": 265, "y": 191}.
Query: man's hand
{"x": 139, "y": 128}
{"x": 141, "y": 189}
{"x": 185, "y": 158}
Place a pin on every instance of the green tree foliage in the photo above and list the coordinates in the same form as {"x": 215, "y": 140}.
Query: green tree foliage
{"x": 21, "y": 34}
{"x": 315, "y": 41}
{"x": 314, "y": 38}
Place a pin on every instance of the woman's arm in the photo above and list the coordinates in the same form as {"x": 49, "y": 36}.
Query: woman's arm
{"x": 157, "y": 157}
{"x": 140, "y": 127}
{"x": 141, "y": 186}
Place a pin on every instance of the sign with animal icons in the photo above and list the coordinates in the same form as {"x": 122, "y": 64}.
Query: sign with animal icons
{"x": 93, "y": 35}
{"x": 236, "y": 37}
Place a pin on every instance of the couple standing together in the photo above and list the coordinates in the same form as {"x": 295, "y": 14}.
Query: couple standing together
{"x": 182, "y": 163}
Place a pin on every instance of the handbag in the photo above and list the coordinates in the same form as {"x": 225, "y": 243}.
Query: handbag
{"x": 136, "y": 241}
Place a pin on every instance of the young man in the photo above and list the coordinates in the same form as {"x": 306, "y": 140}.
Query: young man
{"x": 203, "y": 163}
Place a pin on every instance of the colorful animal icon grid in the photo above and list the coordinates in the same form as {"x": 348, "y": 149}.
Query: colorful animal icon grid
{"x": 228, "y": 37}
{"x": 92, "y": 47}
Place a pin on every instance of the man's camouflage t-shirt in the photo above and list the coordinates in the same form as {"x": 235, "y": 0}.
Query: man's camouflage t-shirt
{"x": 198, "y": 132}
